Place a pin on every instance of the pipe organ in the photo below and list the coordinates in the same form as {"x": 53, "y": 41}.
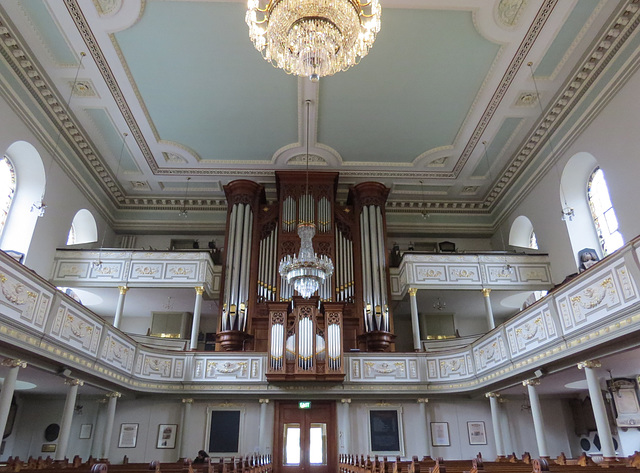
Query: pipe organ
{"x": 305, "y": 338}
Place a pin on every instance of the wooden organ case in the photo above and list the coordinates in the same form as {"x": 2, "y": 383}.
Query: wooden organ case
{"x": 305, "y": 338}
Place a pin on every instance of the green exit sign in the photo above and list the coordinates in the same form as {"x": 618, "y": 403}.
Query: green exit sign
{"x": 304, "y": 404}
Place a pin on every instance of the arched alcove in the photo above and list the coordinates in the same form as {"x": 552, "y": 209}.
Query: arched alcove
{"x": 30, "y": 185}
{"x": 521, "y": 233}
{"x": 83, "y": 228}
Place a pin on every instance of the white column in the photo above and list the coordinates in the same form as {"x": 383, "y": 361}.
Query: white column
{"x": 67, "y": 417}
{"x": 263, "y": 436}
{"x": 495, "y": 421}
{"x": 423, "y": 421}
{"x": 505, "y": 427}
{"x": 184, "y": 428}
{"x": 120, "y": 306}
{"x": 415, "y": 325}
{"x": 346, "y": 426}
{"x": 195, "y": 326}
{"x": 8, "y": 387}
{"x": 599, "y": 411}
{"x": 536, "y": 413}
{"x": 97, "y": 436}
{"x": 108, "y": 428}
{"x": 487, "y": 307}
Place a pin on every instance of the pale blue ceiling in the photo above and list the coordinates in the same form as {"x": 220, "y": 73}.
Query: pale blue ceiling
{"x": 205, "y": 86}
{"x": 411, "y": 93}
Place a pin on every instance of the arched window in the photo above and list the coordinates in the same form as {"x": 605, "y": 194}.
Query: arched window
{"x": 602, "y": 213}
{"x": 7, "y": 189}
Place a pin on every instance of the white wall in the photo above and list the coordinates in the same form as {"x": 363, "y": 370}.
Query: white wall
{"x": 613, "y": 139}
{"x": 62, "y": 197}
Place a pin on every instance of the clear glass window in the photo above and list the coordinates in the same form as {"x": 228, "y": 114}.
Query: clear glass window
{"x": 318, "y": 444}
{"x": 291, "y": 444}
{"x": 603, "y": 214}
{"x": 7, "y": 189}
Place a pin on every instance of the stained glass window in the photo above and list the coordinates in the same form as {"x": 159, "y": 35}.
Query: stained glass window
{"x": 7, "y": 189}
{"x": 603, "y": 214}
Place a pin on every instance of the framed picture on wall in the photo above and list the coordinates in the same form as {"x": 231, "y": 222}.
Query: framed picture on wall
{"x": 167, "y": 436}
{"x": 440, "y": 434}
{"x": 477, "y": 433}
{"x": 385, "y": 431}
{"x": 128, "y": 436}
{"x": 224, "y": 441}
{"x": 85, "y": 431}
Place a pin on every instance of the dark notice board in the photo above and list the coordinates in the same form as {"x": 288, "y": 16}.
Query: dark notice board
{"x": 224, "y": 431}
{"x": 384, "y": 431}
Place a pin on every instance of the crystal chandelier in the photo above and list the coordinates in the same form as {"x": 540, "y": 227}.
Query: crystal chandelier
{"x": 313, "y": 38}
{"x": 306, "y": 271}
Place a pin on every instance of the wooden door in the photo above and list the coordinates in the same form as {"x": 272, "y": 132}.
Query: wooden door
{"x": 305, "y": 439}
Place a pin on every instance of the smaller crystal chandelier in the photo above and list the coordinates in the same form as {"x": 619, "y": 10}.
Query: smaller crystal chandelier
{"x": 313, "y": 38}
{"x": 307, "y": 271}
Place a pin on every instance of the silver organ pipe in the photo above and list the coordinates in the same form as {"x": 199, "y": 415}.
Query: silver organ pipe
{"x": 243, "y": 299}
{"x": 228, "y": 268}
{"x": 266, "y": 272}
{"x": 366, "y": 272}
{"x": 350, "y": 276}
{"x": 277, "y": 346}
{"x": 333, "y": 346}
{"x": 375, "y": 265}
{"x": 324, "y": 215}
{"x": 381, "y": 270}
{"x": 235, "y": 276}
{"x": 261, "y": 270}
{"x": 237, "y": 268}
{"x": 289, "y": 215}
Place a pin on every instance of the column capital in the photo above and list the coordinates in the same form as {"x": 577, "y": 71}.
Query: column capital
{"x": 531, "y": 382}
{"x": 199, "y": 290}
{"x": 423, "y": 400}
{"x": 187, "y": 400}
{"x": 263, "y": 401}
{"x": 589, "y": 364}
{"x": 486, "y": 291}
{"x": 123, "y": 290}
{"x": 345, "y": 401}
{"x": 413, "y": 291}
{"x": 14, "y": 363}
{"x": 114, "y": 394}
{"x": 73, "y": 382}
{"x": 492, "y": 394}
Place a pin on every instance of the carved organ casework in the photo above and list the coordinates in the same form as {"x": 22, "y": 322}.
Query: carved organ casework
{"x": 262, "y": 311}
{"x": 305, "y": 342}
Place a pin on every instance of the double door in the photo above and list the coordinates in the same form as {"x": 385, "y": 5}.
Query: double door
{"x": 305, "y": 439}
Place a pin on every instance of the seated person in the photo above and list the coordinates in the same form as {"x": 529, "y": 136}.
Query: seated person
{"x": 201, "y": 458}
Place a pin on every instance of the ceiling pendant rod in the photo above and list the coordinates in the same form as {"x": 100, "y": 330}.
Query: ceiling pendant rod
{"x": 567, "y": 212}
